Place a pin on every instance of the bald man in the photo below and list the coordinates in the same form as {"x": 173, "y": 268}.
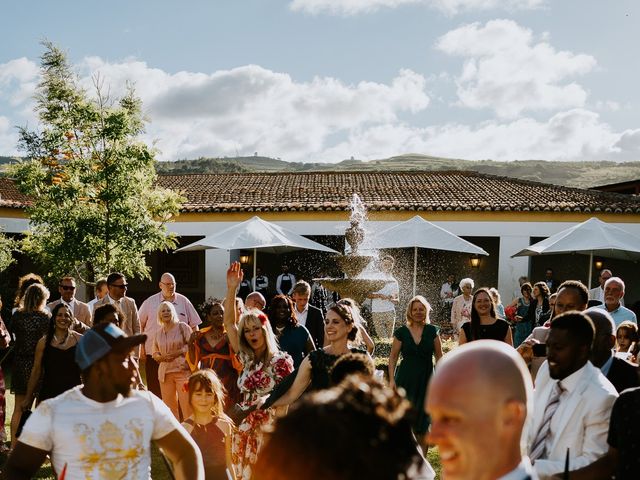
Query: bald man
{"x": 478, "y": 400}
{"x": 255, "y": 300}
{"x": 149, "y": 323}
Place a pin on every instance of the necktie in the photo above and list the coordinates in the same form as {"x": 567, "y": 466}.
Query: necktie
{"x": 539, "y": 444}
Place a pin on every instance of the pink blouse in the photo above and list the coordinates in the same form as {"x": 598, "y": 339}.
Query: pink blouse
{"x": 173, "y": 341}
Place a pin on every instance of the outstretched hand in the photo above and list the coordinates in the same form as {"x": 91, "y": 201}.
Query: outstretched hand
{"x": 234, "y": 276}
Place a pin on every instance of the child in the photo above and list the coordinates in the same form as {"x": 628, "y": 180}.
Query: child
{"x": 627, "y": 336}
{"x": 208, "y": 425}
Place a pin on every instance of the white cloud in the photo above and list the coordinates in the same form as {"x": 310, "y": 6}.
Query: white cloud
{"x": 250, "y": 108}
{"x": 18, "y": 80}
{"x": 572, "y": 135}
{"x": 450, "y": 7}
{"x": 507, "y": 70}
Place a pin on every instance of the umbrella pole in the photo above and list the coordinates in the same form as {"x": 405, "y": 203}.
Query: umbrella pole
{"x": 590, "y": 268}
{"x": 255, "y": 266}
{"x": 415, "y": 268}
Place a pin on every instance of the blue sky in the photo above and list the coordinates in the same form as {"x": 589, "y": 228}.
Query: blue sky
{"x": 324, "y": 80}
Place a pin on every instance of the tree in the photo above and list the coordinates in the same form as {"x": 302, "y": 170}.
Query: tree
{"x": 96, "y": 206}
{"x": 7, "y": 246}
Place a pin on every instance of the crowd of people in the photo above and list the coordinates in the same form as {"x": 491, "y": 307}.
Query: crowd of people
{"x": 261, "y": 387}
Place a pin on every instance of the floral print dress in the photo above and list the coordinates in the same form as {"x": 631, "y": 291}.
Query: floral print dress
{"x": 256, "y": 381}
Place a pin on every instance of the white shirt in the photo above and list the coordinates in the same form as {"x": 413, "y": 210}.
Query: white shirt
{"x": 302, "y": 316}
{"x": 99, "y": 440}
{"x": 379, "y": 305}
{"x": 522, "y": 471}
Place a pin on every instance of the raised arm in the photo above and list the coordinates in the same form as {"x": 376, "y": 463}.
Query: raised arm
{"x": 234, "y": 277}
{"x": 366, "y": 339}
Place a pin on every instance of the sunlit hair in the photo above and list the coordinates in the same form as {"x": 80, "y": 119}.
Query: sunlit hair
{"x": 207, "y": 380}
{"x": 425, "y": 304}
{"x": 631, "y": 329}
{"x": 466, "y": 281}
{"x": 495, "y": 294}
{"x": 25, "y": 282}
{"x": 302, "y": 288}
{"x": 174, "y": 314}
{"x": 35, "y": 298}
{"x": 256, "y": 317}
{"x": 543, "y": 288}
{"x": 475, "y": 316}
{"x": 346, "y": 314}
{"x": 293, "y": 320}
{"x": 617, "y": 280}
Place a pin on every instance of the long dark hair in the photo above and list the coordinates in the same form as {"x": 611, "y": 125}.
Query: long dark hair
{"x": 475, "y": 317}
{"x": 293, "y": 320}
{"x": 52, "y": 323}
{"x": 544, "y": 290}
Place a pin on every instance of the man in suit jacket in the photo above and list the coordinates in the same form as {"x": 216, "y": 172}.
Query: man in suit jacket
{"x": 309, "y": 316}
{"x": 80, "y": 310}
{"x": 619, "y": 372}
{"x": 572, "y": 400}
{"x": 485, "y": 388}
{"x": 117, "y": 285}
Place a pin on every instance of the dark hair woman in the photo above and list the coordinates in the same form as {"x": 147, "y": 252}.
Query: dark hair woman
{"x": 293, "y": 338}
{"x": 484, "y": 324}
{"x": 54, "y": 361}
{"x": 539, "y": 310}
{"x": 340, "y": 329}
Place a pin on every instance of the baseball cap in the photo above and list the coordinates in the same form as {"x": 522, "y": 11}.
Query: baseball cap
{"x": 102, "y": 340}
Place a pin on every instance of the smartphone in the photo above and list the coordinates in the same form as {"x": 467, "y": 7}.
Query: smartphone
{"x": 540, "y": 350}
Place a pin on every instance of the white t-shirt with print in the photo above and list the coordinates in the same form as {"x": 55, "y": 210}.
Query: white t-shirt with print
{"x": 99, "y": 440}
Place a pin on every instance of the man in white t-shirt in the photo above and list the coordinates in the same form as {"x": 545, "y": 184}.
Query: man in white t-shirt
{"x": 103, "y": 429}
{"x": 383, "y": 302}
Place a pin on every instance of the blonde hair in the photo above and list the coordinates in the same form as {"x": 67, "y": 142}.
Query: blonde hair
{"x": 174, "y": 314}
{"x": 35, "y": 298}
{"x": 423, "y": 301}
{"x": 255, "y": 316}
{"x": 207, "y": 380}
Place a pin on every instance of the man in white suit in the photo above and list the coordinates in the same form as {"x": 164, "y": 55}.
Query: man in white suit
{"x": 572, "y": 400}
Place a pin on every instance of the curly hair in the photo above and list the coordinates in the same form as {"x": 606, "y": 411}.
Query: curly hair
{"x": 356, "y": 409}
{"x": 293, "y": 320}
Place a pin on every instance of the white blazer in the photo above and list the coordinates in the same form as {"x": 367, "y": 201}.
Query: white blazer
{"x": 584, "y": 420}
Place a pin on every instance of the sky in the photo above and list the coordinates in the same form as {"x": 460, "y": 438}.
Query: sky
{"x": 327, "y": 80}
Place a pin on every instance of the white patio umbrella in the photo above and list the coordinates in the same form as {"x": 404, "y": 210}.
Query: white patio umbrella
{"x": 594, "y": 238}
{"x": 419, "y": 233}
{"x": 256, "y": 234}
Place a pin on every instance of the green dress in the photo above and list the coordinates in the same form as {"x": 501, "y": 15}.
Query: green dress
{"x": 415, "y": 370}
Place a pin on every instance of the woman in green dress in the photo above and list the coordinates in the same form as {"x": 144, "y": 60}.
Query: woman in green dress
{"x": 418, "y": 342}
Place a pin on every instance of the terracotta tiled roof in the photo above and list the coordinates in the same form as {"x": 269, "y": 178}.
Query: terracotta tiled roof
{"x": 10, "y": 196}
{"x": 414, "y": 191}
{"x": 430, "y": 191}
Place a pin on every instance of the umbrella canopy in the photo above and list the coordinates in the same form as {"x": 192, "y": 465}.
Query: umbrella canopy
{"x": 593, "y": 237}
{"x": 256, "y": 234}
{"x": 419, "y": 233}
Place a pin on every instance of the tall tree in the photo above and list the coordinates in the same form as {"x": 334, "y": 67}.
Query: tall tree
{"x": 96, "y": 206}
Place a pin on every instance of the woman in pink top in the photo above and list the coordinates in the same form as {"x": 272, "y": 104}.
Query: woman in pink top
{"x": 169, "y": 349}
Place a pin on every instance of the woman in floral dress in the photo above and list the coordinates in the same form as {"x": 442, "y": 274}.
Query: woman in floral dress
{"x": 264, "y": 366}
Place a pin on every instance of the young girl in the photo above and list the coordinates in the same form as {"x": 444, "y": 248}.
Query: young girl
{"x": 627, "y": 336}
{"x": 208, "y": 425}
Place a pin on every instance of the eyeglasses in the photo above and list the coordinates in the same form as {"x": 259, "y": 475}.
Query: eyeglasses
{"x": 67, "y": 287}
{"x": 123, "y": 285}
{"x": 168, "y": 284}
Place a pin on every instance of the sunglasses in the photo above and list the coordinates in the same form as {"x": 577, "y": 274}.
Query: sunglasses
{"x": 124, "y": 285}
{"x": 67, "y": 287}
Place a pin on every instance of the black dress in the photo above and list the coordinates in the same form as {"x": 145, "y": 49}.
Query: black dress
{"x": 28, "y": 328}
{"x": 60, "y": 372}
{"x": 495, "y": 331}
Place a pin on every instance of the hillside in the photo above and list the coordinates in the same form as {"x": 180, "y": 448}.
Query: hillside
{"x": 574, "y": 174}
